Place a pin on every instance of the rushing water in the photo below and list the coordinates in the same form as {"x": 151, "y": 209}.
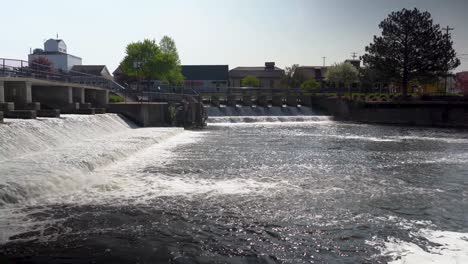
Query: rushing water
{"x": 244, "y": 190}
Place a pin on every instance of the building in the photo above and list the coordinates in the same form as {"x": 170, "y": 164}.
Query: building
{"x": 462, "y": 81}
{"x": 355, "y": 63}
{"x": 305, "y": 73}
{"x": 269, "y": 75}
{"x": 55, "y": 50}
{"x": 96, "y": 70}
{"x": 206, "y": 76}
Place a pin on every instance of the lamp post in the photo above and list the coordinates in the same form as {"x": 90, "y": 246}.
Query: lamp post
{"x": 137, "y": 66}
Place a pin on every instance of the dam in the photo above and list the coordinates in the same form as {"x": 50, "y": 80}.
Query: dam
{"x": 246, "y": 189}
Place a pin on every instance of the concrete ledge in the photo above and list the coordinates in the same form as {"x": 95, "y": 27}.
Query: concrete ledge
{"x": 21, "y": 114}
{"x": 48, "y": 113}
{"x": 5, "y": 107}
{"x": 69, "y": 108}
{"x": 85, "y": 106}
{"x": 146, "y": 115}
{"x": 31, "y": 106}
{"x": 89, "y": 111}
{"x": 99, "y": 110}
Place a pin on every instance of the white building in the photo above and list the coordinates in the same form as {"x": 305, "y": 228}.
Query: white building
{"x": 55, "y": 50}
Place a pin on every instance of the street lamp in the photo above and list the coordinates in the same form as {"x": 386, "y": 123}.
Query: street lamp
{"x": 137, "y": 66}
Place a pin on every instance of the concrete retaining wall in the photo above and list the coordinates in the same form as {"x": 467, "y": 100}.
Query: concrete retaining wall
{"x": 146, "y": 115}
{"x": 440, "y": 114}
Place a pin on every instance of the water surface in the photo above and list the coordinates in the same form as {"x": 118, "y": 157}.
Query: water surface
{"x": 266, "y": 191}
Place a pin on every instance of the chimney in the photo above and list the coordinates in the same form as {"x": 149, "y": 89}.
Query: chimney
{"x": 269, "y": 65}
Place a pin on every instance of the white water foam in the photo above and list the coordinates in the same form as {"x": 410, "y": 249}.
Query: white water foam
{"x": 138, "y": 179}
{"x": 449, "y": 247}
{"x": 49, "y": 158}
{"x": 266, "y": 119}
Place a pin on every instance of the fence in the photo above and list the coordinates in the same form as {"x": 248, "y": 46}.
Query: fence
{"x": 20, "y": 68}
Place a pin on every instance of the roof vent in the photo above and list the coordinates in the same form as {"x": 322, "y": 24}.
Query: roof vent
{"x": 269, "y": 65}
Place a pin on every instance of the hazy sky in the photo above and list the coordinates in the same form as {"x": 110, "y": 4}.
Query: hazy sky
{"x": 236, "y": 32}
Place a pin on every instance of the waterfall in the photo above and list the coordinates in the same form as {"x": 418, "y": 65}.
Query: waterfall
{"x": 47, "y": 157}
{"x": 263, "y": 114}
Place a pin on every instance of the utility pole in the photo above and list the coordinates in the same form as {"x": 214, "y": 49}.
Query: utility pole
{"x": 354, "y": 55}
{"x": 324, "y": 58}
{"x": 447, "y": 32}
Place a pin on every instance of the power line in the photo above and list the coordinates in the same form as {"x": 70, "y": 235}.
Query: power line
{"x": 448, "y": 29}
{"x": 447, "y": 32}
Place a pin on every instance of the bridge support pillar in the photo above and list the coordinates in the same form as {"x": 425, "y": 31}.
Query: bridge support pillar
{"x": 277, "y": 100}
{"x": 5, "y": 106}
{"x": 306, "y": 100}
{"x": 291, "y": 100}
{"x": 79, "y": 95}
{"x": 21, "y": 94}
{"x": 262, "y": 100}
{"x": 98, "y": 98}
{"x": 215, "y": 101}
{"x": 231, "y": 100}
{"x": 2, "y": 92}
{"x": 247, "y": 100}
{"x": 55, "y": 97}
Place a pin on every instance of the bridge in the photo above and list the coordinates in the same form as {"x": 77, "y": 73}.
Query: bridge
{"x": 29, "y": 90}
{"x": 255, "y": 96}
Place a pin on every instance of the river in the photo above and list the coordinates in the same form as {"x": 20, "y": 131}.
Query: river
{"x": 96, "y": 189}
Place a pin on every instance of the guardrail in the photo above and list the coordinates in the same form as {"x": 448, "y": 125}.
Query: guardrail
{"x": 20, "y": 68}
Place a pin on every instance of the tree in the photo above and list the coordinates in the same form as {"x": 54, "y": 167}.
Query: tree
{"x": 290, "y": 79}
{"x": 250, "y": 81}
{"x": 411, "y": 47}
{"x": 168, "y": 47}
{"x": 342, "y": 73}
{"x": 42, "y": 64}
{"x": 148, "y": 61}
{"x": 369, "y": 77}
{"x": 310, "y": 85}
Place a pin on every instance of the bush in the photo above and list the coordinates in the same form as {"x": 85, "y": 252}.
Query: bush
{"x": 114, "y": 98}
{"x": 310, "y": 85}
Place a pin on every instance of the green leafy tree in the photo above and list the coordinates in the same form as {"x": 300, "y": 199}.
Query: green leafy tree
{"x": 411, "y": 47}
{"x": 343, "y": 73}
{"x": 250, "y": 81}
{"x": 310, "y": 85}
{"x": 148, "y": 61}
{"x": 168, "y": 47}
{"x": 290, "y": 79}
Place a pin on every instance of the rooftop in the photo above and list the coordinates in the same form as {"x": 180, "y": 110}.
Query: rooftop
{"x": 205, "y": 72}
{"x": 90, "y": 69}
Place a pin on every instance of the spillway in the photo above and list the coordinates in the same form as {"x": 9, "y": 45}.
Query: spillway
{"x": 45, "y": 158}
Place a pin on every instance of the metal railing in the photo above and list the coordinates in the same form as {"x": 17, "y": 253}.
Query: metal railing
{"x": 24, "y": 69}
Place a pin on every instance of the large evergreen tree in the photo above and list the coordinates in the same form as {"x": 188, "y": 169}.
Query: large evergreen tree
{"x": 411, "y": 47}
